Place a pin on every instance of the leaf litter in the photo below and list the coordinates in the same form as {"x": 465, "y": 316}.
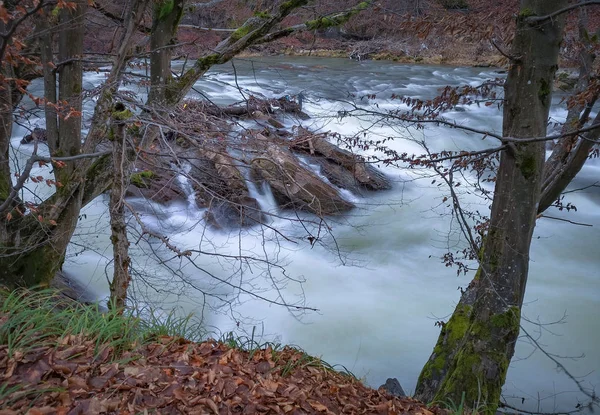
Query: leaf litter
{"x": 176, "y": 376}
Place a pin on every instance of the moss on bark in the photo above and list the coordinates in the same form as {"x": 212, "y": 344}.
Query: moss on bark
{"x": 479, "y": 368}
{"x": 35, "y": 268}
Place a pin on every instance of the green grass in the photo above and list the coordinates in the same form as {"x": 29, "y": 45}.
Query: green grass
{"x": 251, "y": 345}
{"x": 463, "y": 408}
{"x": 30, "y": 319}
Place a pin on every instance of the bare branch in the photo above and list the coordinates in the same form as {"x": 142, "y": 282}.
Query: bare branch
{"x": 538, "y": 19}
{"x": 566, "y": 220}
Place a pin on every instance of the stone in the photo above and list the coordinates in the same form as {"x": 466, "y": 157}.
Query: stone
{"x": 38, "y": 134}
{"x": 296, "y": 187}
{"x": 363, "y": 174}
{"x": 393, "y": 387}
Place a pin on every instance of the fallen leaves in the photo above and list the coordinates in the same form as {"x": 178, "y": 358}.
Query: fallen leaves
{"x": 173, "y": 376}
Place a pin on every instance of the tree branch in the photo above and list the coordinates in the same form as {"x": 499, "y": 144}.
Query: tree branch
{"x": 253, "y": 31}
{"x": 538, "y": 19}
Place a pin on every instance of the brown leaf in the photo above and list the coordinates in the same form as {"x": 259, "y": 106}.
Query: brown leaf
{"x": 263, "y": 367}
{"x": 35, "y": 373}
{"x": 211, "y": 376}
{"x": 318, "y": 406}
{"x": 211, "y": 404}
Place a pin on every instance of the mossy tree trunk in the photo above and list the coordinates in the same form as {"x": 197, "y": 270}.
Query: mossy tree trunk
{"x": 45, "y": 33}
{"x": 35, "y": 245}
{"x": 121, "y": 173}
{"x": 6, "y": 123}
{"x": 165, "y": 19}
{"x": 476, "y": 345}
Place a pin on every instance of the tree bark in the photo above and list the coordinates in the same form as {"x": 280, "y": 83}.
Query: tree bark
{"x": 45, "y": 35}
{"x": 34, "y": 246}
{"x": 166, "y": 17}
{"x": 476, "y": 345}
{"x": 571, "y": 152}
{"x": 121, "y": 260}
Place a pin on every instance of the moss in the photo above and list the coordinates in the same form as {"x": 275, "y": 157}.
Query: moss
{"x": 133, "y": 130}
{"x": 451, "y": 335}
{"x": 458, "y": 324}
{"x": 122, "y": 115}
{"x": 206, "y": 62}
{"x": 138, "y": 179}
{"x": 544, "y": 91}
{"x": 508, "y": 320}
{"x": 36, "y": 268}
{"x": 320, "y": 23}
{"x": 287, "y": 6}
{"x": 263, "y": 14}
{"x": 241, "y": 32}
{"x": 4, "y": 189}
{"x": 325, "y": 22}
{"x": 526, "y": 12}
{"x": 479, "y": 369}
{"x": 528, "y": 165}
{"x": 165, "y": 9}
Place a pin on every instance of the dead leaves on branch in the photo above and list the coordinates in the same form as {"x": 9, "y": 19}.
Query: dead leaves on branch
{"x": 172, "y": 376}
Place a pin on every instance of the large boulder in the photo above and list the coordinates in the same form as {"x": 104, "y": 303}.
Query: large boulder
{"x": 296, "y": 187}
{"x": 341, "y": 167}
{"x": 221, "y": 188}
{"x": 156, "y": 180}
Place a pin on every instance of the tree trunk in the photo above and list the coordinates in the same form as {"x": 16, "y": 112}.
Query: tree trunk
{"x": 571, "y": 152}
{"x": 35, "y": 245}
{"x": 166, "y": 17}
{"x": 6, "y": 123}
{"x": 45, "y": 35}
{"x": 476, "y": 345}
{"x": 121, "y": 260}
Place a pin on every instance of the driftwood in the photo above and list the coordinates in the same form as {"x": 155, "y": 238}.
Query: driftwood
{"x": 255, "y": 106}
{"x": 200, "y": 150}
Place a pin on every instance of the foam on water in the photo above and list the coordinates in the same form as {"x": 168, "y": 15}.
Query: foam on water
{"x": 379, "y": 286}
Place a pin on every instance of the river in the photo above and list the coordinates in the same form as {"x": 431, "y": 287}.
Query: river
{"x": 380, "y": 290}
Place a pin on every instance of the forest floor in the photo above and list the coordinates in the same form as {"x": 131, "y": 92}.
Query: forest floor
{"x": 63, "y": 357}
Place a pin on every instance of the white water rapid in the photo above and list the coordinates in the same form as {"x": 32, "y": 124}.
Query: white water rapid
{"x": 375, "y": 314}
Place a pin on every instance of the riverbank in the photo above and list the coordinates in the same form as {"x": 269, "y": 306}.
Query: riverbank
{"x": 408, "y": 51}
{"x": 60, "y": 356}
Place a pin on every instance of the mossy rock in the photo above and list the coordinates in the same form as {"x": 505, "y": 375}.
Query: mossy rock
{"x": 139, "y": 179}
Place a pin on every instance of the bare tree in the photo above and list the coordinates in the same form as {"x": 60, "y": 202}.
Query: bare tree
{"x": 35, "y": 235}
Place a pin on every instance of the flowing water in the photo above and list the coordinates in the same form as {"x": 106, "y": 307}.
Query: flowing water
{"x": 379, "y": 286}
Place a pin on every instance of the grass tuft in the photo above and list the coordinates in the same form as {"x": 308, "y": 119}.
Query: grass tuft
{"x": 31, "y": 319}
{"x": 286, "y": 362}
